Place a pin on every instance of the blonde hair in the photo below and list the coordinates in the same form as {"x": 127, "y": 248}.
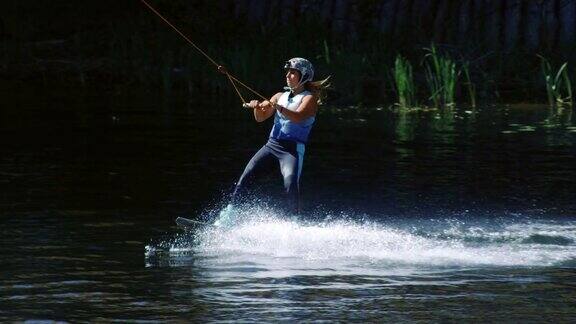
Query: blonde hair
{"x": 318, "y": 88}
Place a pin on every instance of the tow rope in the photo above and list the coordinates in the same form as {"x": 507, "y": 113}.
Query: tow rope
{"x": 233, "y": 80}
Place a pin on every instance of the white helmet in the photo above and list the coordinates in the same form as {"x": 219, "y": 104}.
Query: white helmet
{"x": 303, "y": 66}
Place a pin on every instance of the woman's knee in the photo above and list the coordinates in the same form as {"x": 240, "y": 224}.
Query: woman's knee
{"x": 290, "y": 182}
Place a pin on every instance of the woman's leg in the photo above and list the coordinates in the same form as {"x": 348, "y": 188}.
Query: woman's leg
{"x": 256, "y": 165}
{"x": 290, "y": 169}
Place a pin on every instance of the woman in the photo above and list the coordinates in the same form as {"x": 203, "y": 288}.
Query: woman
{"x": 294, "y": 114}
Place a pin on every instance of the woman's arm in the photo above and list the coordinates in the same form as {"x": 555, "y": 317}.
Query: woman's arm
{"x": 263, "y": 110}
{"x": 307, "y": 108}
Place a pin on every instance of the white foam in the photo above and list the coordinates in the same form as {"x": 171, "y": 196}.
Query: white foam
{"x": 264, "y": 234}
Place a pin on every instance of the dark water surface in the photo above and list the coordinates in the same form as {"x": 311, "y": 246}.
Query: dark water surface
{"x": 469, "y": 215}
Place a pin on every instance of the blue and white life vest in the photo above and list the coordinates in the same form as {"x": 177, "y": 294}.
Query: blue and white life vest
{"x": 284, "y": 128}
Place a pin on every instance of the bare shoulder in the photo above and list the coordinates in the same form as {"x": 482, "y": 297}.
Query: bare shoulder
{"x": 310, "y": 100}
{"x": 276, "y": 96}
{"x": 308, "y": 107}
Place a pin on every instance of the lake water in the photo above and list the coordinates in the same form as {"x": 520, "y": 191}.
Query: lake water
{"x": 462, "y": 216}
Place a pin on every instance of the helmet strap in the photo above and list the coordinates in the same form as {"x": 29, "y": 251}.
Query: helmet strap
{"x": 300, "y": 83}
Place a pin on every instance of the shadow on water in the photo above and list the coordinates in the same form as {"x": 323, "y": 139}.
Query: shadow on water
{"x": 497, "y": 158}
{"x": 410, "y": 216}
{"x": 140, "y": 151}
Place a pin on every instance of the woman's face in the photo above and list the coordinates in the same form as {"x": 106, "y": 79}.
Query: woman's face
{"x": 292, "y": 77}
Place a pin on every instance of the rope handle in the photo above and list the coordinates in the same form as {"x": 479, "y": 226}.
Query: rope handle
{"x": 274, "y": 105}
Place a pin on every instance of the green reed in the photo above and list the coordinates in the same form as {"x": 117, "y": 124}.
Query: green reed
{"x": 441, "y": 76}
{"x": 471, "y": 87}
{"x": 558, "y": 84}
{"x": 404, "y": 83}
{"x": 326, "y": 55}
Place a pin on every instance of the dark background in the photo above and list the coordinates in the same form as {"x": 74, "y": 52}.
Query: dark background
{"x": 121, "y": 45}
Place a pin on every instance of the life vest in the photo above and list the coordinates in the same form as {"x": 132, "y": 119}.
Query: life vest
{"x": 284, "y": 128}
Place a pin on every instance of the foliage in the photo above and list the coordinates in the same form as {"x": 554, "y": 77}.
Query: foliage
{"x": 441, "y": 76}
{"x": 91, "y": 45}
{"x": 558, "y": 85}
{"x": 470, "y": 86}
{"x": 404, "y": 82}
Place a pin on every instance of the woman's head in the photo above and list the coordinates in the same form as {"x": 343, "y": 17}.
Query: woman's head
{"x": 303, "y": 67}
{"x": 293, "y": 77}
{"x": 300, "y": 72}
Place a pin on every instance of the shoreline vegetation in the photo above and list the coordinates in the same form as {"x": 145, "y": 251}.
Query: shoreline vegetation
{"x": 372, "y": 49}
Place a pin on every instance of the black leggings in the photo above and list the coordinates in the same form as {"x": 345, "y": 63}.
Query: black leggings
{"x": 290, "y": 155}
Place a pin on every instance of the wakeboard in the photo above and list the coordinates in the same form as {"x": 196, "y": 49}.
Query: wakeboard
{"x": 189, "y": 224}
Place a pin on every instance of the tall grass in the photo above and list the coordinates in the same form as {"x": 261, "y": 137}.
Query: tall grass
{"x": 404, "y": 83}
{"x": 558, "y": 84}
{"x": 326, "y": 55}
{"x": 441, "y": 77}
{"x": 471, "y": 87}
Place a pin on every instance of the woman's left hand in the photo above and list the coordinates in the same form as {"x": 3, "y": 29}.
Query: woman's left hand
{"x": 265, "y": 105}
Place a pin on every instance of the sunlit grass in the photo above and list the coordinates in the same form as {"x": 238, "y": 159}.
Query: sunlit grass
{"x": 441, "y": 76}
{"x": 470, "y": 86}
{"x": 558, "y": 84}
{"x": 404, "y": 82}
